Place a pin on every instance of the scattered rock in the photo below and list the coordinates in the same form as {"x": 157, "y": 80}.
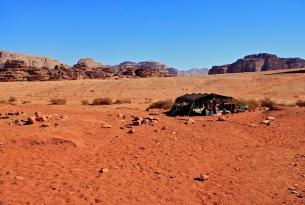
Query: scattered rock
{"x": 189, "y": 121}
{"x": 121, "y": 115}
{"x": 266, "y": 122}
{"x": 98, "y": 200}
{"x": 40, "y": 119}
{"x": 29, "y": 121}
{"x": 45, "y": 125}
{"x": 103, "y": 170}
{"x": 201, "y": 178}
{"x": 270, "y": 118}
{"x": 221, "y": 118}
{"x": 106, "y": 126}
{"x": 19, "y": 178}
{"x": 131, "y": 131}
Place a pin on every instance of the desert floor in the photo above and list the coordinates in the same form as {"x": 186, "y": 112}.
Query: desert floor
{"x": 71, "y": 159}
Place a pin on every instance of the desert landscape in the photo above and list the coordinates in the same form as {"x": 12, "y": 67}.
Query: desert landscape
{"x": 78, "y": 153}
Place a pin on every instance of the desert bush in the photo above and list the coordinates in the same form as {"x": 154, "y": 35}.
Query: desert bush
{"x": 267, "y": 102}
{"x": 122, "y": 101}
{"x": 148, "y": 100}
{"x": 252, "y": 104}
{"x": 26, "y": 102}
{"x": 85, "y": 102}
{"x": 12, "y": 100}
{"x": 58, "y": 101}
{"x": 102, "y": 101}
{"x": 300, "y": 103}
{"x": 162, "y": 104}
{"x": 3, "y": 102}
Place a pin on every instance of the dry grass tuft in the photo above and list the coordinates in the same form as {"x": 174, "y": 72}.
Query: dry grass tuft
{"x": 267, "y": 102}
{"x": 12, "y": 100}
{"x": 162, "y": 104}
{"x": 58, "y": 101}
{"x": 122, "y": 101}
{"x": 102, "y": 101}
{"x": 300, "y": 103}
{"x": 85, "y": 102}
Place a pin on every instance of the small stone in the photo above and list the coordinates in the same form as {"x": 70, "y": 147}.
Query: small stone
{"x": 98, "y": 200}
{"x": 253, "y": 125}
{"x": 221, "y": 119}
{"x": 173, "y": 132}
{"x": 131, "y": 131}
{"x": 106, "y": 125}
{"x": 270, "y": 118}
{"x": 189, "y": 121}
{"x": 121, "y": 115}
{"x": 163, "y": 128}
{"x": 137, "y": 122}
{"x": 103, "y": 170}
{"x": 202, "y": 178}
{"x": 40, "y": 119}
{"x": 29, "y": 121}
{"x": 266, "y": 122}
{"x": 44, "y": 125}
{"x": 19, "y": 178}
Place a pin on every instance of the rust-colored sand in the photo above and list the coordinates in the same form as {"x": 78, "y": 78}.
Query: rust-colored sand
{"x": 246, "y": 162}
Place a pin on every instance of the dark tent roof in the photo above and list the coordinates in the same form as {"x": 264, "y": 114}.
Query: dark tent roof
{"x": 196, "y": 96}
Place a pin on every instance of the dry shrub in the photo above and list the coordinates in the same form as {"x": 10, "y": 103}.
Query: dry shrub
{"x": 148, "y": 100}
{"x": 267, "y": 102}
{"x": 58, "y": 101}
{"x": 102, "y": 101}
{"x": 252, "y": 104}
{"x": 162, "y": 104}
{"x": 300, "y": 103}
{"x": 3, "y": 102}
{"x": 12, "y": 100}
{"x": 26, "y": 102}
{"x": 122, "y": 101}
{"x": 85, "y": 102}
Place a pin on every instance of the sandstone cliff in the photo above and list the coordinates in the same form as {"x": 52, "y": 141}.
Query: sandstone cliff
{"x": 258, "y": 62}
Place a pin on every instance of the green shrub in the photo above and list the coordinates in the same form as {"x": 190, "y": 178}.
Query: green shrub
{"x": 58, "y": 101}
{"x": 162, "y": 104}
{"x": 102, "y": 101}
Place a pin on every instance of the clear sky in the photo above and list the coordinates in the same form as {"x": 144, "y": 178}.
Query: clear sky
{"x": 180, "y": 33}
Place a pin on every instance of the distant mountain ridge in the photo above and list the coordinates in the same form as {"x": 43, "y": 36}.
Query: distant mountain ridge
{"x": 21, "y": 67}
{"x": 194, "y": 72}
{"x": 258, "y": 62}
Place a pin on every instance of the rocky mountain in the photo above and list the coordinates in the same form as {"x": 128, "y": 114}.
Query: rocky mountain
{"x": 20, "y": 67}
{"x": 29, "y": 61}
{"x": 194, "y": 72}
{"x": 258, "y": 62}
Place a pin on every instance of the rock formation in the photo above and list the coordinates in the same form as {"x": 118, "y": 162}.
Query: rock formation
{"x": 20, "y": 67}
{"x": 258, "y": 62}
{"x": 194, "y": 72}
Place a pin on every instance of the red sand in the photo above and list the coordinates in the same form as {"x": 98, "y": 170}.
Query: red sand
{"x": 246, "y": 162}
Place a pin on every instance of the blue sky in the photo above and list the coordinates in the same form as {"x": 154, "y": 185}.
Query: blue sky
{"x": 181, "y": 33}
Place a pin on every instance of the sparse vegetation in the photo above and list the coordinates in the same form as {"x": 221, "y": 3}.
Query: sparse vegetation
{"x": 267, "y": 102}
{"x": 148, "y": 100}
{"x": 300, "y": 103}
{"x": 12, "y": 100}
{"x": 162, "y": 104}
{"x": 252, "y": 104}
{"x": 58, "y": 101}
{"x": 85, "y": 102}
{"x": 122, "y": 101}
{"x": 102, "y": 101}
{"x": 26, "y": 102}
{"x": 3, "y": 102}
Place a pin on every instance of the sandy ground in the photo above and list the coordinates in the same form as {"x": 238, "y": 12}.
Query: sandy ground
{"x": 283, "y": 88}
{"x": 246, "y": 162}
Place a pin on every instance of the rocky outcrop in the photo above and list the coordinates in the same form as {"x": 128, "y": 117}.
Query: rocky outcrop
{"x": 30, "y": 61}
{"x": 19, "y": 67}
{"x": 258, "y": 62}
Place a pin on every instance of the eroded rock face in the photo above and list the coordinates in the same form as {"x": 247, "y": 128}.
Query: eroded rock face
{"x": 258, "y": 62}
{"x": 31, "y": 61}
{"x": 19, "y": 67}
